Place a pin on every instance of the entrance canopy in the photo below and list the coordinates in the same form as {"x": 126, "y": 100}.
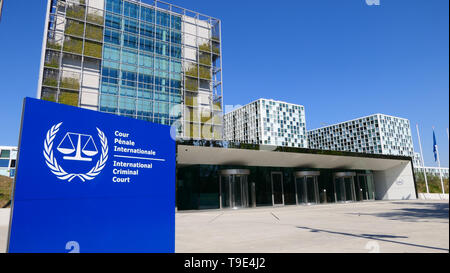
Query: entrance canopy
{"x": 267, "y": 156}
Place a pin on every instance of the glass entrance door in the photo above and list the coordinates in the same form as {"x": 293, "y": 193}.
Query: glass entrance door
{"x": 365, "y": 187}
{"x": 307, "y": 188}
{"x": 234, "y": 189}
{"x": 344, "y": 187}
{"x": 277, "y": 189}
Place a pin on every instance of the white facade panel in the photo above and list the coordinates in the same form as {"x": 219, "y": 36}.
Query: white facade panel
{"x": 267, "y": 122}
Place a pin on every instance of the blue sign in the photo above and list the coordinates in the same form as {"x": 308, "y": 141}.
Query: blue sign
{"x": 92, "y": 182}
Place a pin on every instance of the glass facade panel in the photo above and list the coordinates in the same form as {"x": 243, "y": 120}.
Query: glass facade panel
{"x": 139, "y": 54}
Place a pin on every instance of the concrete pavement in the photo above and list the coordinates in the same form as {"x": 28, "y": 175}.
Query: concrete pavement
{"x": 402, "y": 226}
{"x": 386, "y": 227}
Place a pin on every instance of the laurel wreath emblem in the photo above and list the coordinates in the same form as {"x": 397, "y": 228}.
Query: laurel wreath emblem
{"x": 57, "y": 170}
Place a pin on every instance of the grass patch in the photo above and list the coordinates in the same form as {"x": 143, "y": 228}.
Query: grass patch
{"x": 5, "y": 190}
{"x": 434, "y": 183}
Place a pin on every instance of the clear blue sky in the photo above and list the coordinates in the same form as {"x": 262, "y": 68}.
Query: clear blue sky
{"x": 341, "y": 59}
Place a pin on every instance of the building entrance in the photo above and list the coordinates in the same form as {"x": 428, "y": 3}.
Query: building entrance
{"x": 234, "y": 189}
{"x": 344, "y": 187}
{"x": 306, "y": 186}
{"x": 277, "y": 189}
{"x": 365, "y": 189}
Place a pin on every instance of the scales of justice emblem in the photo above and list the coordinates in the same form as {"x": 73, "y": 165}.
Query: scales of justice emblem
{"x": 75, "y": 147}
{"x": 67, "y": 147}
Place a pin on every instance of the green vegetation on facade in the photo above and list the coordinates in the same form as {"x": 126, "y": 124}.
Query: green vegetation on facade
{"x": 216, "y": 50}
{"x": 74, "y": 28}
{"x": 53, "y": 45}
{"x": 191, "y": 84}
{"x": 205, "y": 73}
{"x": 50, "y": 81}
{"x": 48, "y": 96}
{"x": 94, "y": 18}
{"x": 192, "y": 71}
{"x": 205, "y": 47}
{"x": 70, "y": 83}
{"x": 215, "y": 38}
{"x": 205, "y": 59}
{"x": 53, "y": 63}
{"x": 76, "y": 11}
{"x": 94, "y": 32}
{"x": 92, "y": 49}
{"x": 68, "y": 98}
{"x": 73, "y": 45}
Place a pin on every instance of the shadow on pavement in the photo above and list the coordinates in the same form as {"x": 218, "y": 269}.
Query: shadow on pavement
{"x": 376, "y": 237}
{"x": 426, "y": 211}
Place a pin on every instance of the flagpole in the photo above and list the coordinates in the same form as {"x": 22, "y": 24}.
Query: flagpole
{"x": 440, "y": 170}
{"x": 436, "y": 156}
{"x": 422, "y": 160}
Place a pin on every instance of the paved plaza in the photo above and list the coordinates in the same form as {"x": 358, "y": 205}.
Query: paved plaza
{"x": 386, "y": 227}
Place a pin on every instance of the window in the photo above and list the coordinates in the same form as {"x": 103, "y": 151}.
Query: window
{"x": 146, "y": 60}
{"x": 147, "y": 14}
{"x": 147, "y": 44}
{"x": 127, "y": 106}
{"x": 131, "y": 25}
{"x": 176, "y": 22}
{"x": 162, "y": 48}
{"x": 175, "y": 37}
{"x": 145, "y": 81}
{"x": 114, "y": 6}
{"x": 161, "y": 64}
{"x": 175, "y": 51}
{"x": 111, "y": 53}
{"x": 112, "y": 36}
{"x": 145, "y": 108}
{"x": 130, "y": 10}
{"x": 113, "y": 21}
{"x": 162, "y": 34}
{"x": 129, "y": 57}
{"x": 4, "y": 163}
{"x": 130, "y": 41}
{"x": 108, "y": 103}
{"x": 162, "y": 18}
{"x": 5, "y": 154}
{"x": 148, "y": 30}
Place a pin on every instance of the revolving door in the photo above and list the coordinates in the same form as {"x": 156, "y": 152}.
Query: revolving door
{"x": 344, "y": 187}
{"x": 306, "y": 185}
{"x": 234, "y": 189}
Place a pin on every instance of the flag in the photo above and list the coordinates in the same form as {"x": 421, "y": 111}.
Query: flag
{"x": 434, "y": 146}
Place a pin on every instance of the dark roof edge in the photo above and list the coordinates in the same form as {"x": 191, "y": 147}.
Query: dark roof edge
{"x": 258, "y": 147}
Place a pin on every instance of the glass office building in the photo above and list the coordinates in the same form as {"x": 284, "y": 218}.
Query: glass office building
{"x": 146, "y": 60}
